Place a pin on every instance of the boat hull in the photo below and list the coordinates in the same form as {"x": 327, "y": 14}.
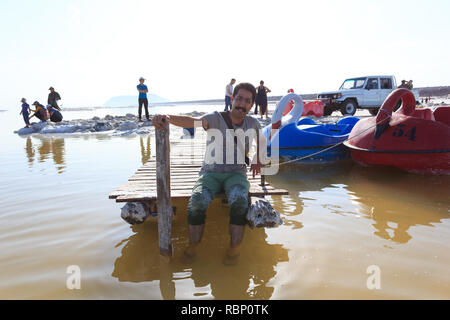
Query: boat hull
{"x": 414, "y": 140}
{"x": 434, "y": 162}
{"x": 310, "y": 142}
{"x": 313, "y": 155}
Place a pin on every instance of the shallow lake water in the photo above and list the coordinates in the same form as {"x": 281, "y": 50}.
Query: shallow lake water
{"x": 341, "y": 222}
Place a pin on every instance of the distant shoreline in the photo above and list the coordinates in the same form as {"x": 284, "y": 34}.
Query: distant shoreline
{"x": 423, "y": 92}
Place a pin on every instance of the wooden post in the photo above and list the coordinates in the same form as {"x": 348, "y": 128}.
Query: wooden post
{"x": 163, "y": 190}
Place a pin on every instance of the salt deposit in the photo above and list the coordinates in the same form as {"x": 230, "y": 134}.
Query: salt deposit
{"x": 128, "y": 125}
{"x": 110, "y": 125}
{"x": 134, "y": 212}
{"x": 262, "y": 214}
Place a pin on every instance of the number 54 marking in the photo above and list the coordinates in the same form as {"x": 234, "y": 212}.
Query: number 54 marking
{"x": 401, "y": 131}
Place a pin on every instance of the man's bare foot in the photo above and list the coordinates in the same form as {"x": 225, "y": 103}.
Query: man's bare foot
{"x": 231, "y": 259}
{"x": 189, "y": 254}
{"x": 232, "y": 256}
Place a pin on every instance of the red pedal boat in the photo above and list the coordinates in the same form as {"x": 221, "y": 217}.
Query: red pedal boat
{"x": 415, "y": 140}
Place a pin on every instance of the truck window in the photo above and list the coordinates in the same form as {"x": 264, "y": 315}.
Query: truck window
{"x": 353, "y": 84}
{"x": 372, "y": 83}
{"x": 386, "y": 83}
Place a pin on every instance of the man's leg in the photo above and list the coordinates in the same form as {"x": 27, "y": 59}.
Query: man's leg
{"x": 227, "y": 103}
{"x": 203, "y": 193}
{"x": 55, "y": 105}
{"x": 140, "y": 109}
{"x": 39, "y": 115}
{"x": 146, "y": 109}
{"x": 236, "y": 189}
{"x": 25, "y": 119}
{"x": 264, "y": 109}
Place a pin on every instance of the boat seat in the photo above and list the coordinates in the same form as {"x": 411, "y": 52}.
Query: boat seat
{"x": 425, "y": 114}
{"x": 442, "y": 114}
{"x": 307, "y": 126}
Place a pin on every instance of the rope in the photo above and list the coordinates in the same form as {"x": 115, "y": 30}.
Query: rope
{"x": 334, "y": 146}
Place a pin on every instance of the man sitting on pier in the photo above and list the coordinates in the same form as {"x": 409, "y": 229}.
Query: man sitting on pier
{"x": 228, "y": 175}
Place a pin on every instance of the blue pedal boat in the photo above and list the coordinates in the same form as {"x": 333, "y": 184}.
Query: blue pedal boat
{"x": 305, "y": 139}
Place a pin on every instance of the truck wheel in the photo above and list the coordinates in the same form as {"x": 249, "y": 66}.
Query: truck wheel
{"x": 327, "y": 111}
{"x": 374, "y": 111}
{"x": 349, "y": 107}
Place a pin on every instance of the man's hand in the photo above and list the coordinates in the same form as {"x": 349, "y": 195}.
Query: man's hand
{"x": 160, "y": 121}
{"x": 256, "y": 168}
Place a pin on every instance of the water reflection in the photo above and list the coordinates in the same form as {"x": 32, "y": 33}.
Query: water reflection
{"x": 397, "y": 201}
{"x": 140, "y": 261}
{"x": 145, "y": 148}
{"x": 307, "y": 177}
{"x": 48, "y": 146}
{"x": 301, "y": 178}
{"x": 393, "y": 199}
{"x": 30, "y": 151}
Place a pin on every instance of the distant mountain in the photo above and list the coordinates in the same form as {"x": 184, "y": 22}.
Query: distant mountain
{"x": 132, "y": 101}
{"x": 434, "y": 91}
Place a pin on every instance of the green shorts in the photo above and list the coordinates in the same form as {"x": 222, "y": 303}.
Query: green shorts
{"x": 235, "y": 186}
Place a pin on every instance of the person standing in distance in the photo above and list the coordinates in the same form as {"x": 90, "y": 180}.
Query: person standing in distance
{"x": 409, "y": 85}
{"x": 229, "y": 94}
{"x": 142, "y": 88}
{"x": 25, "y": 112}
{"x": 261, "y": 99}
{"x": 53, "y": 98}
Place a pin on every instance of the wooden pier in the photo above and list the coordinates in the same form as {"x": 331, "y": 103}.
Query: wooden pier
{"x": 158, "y": 180}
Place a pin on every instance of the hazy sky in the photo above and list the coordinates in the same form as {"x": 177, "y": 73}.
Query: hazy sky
{"x": 95, "y": 49}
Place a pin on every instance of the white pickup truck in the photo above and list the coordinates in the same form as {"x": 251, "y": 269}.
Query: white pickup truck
{"x": 367, "y": 92}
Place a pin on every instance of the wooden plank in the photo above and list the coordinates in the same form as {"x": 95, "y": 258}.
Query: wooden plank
{"x": 186, "y": 195}
{"x": 175, "y": 165}
{"x": 254, "y": 190}
{"x": 138, "y": 185}
{"x": 175, "y": 182}
{"x": 149, "y": 196}
{"x": 186, "y": 165}
{"x": 173, "y": 174}
{"x": 133, "y": 183}
{"x": 163, "y": 190}
{"x": 152, "y": 188}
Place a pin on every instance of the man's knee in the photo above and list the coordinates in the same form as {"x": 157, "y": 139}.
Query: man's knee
{"x": 200, "y": 200}
{"x": 238, "y": 200}
{"x": 238, "y": 196}
{"x": 198, "y": 203}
